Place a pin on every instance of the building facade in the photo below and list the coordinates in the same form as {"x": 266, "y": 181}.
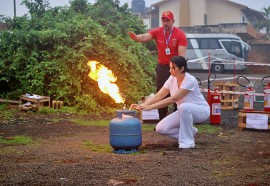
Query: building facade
{"x": 218, "y": 15}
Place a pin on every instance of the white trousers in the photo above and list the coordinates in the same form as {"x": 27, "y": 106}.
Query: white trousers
{"x": 179, "y": 124}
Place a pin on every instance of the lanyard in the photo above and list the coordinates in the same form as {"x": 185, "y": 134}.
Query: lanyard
{"x": 168, "y": 40}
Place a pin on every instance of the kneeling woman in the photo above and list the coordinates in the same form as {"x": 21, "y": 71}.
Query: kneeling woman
{"x": 191, "y": 104}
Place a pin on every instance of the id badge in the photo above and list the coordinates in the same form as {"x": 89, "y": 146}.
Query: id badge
{"x": 168, "y": 52}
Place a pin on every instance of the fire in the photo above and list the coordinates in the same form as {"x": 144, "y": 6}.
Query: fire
{"x": 105, "y": 79}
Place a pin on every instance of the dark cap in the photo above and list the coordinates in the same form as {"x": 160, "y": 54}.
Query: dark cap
{"x": 180, "y": 62}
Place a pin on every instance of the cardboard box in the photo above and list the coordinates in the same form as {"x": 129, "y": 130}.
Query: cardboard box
{"x": 150, "y": 115}
{"x": 243, "y": 116}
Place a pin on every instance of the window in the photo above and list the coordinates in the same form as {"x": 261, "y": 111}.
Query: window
{"x": 233, "y": 47}
{"x": 189, "y": 45}
{"x": 205, "y": 19}
{"x": 192, "y": 44}
{"x": 204, "y": 44}
{"x": 227, "y": 45}
{"x": 209, "y": 43}
{"x": 236, "y": 49}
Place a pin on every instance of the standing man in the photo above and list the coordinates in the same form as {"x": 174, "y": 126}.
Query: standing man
{"x": 170, "y": 41}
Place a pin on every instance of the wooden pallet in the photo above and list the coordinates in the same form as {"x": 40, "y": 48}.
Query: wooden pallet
{"x": 9, "y": 101}
{"x": 243, "y": 114}
{"x": 37, "y": 103}
{"x": 228, "y": 101}
{"x": 229, "y": 104}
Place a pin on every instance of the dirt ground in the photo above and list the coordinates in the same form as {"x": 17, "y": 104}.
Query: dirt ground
{"x": 58, "y": 155}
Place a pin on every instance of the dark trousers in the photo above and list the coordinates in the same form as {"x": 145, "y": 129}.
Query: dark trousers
{"x": 162, "y": 73}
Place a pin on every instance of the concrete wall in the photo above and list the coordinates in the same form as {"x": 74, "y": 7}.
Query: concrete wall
{"x": 260, "y": 53}
{"x": 184, "y": 13}
{"x": 222, "y": 12}
{"x": 197, "y": 11}
{"x": 174, "y": 7}
{"x": 217, "y": 12}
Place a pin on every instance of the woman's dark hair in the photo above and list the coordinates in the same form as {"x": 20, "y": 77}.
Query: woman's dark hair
{"x": 180, "y": 62}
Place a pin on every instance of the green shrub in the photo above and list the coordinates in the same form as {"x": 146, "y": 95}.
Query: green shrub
{"x": 47, "y": 53}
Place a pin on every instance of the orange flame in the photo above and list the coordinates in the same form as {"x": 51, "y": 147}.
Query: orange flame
{"x": 105, "y": 79}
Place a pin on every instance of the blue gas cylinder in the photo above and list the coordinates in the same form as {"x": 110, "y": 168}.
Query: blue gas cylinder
{"x": 125, "y": 135}
{"x": 120, "y": 113}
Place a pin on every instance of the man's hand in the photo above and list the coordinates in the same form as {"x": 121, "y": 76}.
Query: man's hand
{"x": 133, "y": 36}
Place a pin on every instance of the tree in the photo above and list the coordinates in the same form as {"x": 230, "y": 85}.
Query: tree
{"x": 36, "y": 7}
{"x": 265, "y": 24}
{"x": 47, "y": 53}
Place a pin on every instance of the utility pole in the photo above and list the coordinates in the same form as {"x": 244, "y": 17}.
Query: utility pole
{"x": 14, "y": 2}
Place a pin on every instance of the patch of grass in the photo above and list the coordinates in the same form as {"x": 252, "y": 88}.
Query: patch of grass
{"x": 148, "y": 127}
{"x": 207, "y": 128}
{"x": 55, "y": 120}
{"x": 104, "y": 148}
{"x": 222, "y": 174}
{"x": 245, "y": 140}
{"x": 16, "y": 140}
{"x": 64, "y": 109}
{"x": 97, "y": 147}
{"x": 222, "y": 162}
{"x": 100, "y": 123}
{"x": 139, "y": 152}
{"x": 106, "y": 123}
{"x": 9, "y": 150}
{"x": 5, "y": 113}
{"x": 198, "y": 145}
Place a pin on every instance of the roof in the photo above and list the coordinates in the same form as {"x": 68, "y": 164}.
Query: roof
{"x": 212, "y": 35}
{"x": 159, "y": 3}
{"x": 250, "y": 13}
{"x": 227, "y": 1}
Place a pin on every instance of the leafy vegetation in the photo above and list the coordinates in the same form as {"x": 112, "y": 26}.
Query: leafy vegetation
{"x": 97, "y": 147}
{"x": 10, "y": 150}
{"x": 265, "y": 24}
{"x": 16, "y": 140}
{"x": 6, "y": 114}
{"x": 47, "y": 52}
{"x": 146, "y": 127}
{"x": 64, "y": 109}
{"x": 206, "y": 128}
{"x": 100, "y": 123}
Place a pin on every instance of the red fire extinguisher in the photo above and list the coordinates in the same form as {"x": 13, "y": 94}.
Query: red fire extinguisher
{"x": 249, "y": 96}
{"x": 209, "y": 83}
{"x": 266, "y": 91}
{"x": 215, "y": 107}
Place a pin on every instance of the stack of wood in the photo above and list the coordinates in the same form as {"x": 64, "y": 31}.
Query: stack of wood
{"x": 28, "y": 106}
{"x": 57, "y": 104}
{"x": 11, "y": 103}
{"x": 33, "y": 102}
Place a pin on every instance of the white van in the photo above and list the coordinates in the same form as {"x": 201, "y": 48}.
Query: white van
{"x": 225, "y": 50}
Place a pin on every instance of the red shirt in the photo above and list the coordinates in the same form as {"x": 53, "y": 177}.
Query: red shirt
{"x": 178, "y": 38}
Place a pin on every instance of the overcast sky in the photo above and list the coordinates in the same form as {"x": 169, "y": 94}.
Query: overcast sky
{"x": 7, "y": 8}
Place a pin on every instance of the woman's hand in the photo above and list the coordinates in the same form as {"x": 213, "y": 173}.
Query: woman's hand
{"x": 133, "y": 106}
{"x": 140, "y": 107}
{"x": 144, "y": 107}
